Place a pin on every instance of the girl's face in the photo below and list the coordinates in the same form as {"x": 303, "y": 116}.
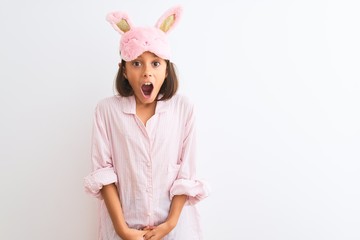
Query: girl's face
{"x": 146, "y": 75}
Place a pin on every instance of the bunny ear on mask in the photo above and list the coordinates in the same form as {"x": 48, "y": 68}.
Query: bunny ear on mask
{"x": 169, "y": 19}
{"x": 119, "y": 21}
{"x": 137, "y": 40}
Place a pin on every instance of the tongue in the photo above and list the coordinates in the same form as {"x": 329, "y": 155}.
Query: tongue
{"x": 147, "y": 89}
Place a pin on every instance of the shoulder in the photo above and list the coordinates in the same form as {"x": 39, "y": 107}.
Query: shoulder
{"x": 104, "y": 102}
{"x": 182, "y": 101}
{"x": 181, "y": 106}
{"x": 108, "y": 103}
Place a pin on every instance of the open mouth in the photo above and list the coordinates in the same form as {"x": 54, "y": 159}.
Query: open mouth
{"x": 147, "y": 89}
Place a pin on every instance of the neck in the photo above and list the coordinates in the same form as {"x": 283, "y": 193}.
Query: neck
{"x": 145, "y": 111}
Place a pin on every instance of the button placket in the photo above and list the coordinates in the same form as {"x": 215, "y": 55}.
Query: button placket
{"x": 149, "y": 187}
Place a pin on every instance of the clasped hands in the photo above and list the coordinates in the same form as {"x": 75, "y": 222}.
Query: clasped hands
{"x": 149, "y": 232}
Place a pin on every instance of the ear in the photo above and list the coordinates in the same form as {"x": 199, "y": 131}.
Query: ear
{"x": 119, "y": 21}
{"x": 169, "y": 19}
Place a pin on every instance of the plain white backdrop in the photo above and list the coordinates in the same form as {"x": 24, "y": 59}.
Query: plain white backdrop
{"x": 276, "y": 86}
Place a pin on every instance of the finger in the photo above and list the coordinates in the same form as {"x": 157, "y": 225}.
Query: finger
{"x": 148, "y": 235}
{"x": 148, "y": 228}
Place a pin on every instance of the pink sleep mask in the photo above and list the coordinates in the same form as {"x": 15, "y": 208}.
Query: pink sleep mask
{"x": 137, "y": 40}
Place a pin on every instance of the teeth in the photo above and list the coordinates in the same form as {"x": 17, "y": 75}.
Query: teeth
{"x": 147, "y": 83}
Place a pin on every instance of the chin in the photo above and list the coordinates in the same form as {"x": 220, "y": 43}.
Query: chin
{"x": 147, "y": 100}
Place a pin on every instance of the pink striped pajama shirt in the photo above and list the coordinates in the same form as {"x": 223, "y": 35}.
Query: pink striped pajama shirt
{"x": 149, "y": 164}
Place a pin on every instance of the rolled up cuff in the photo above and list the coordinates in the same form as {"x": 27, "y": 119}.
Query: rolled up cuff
{"x": 94, "y": 182}
{"x": 196, "y": 190}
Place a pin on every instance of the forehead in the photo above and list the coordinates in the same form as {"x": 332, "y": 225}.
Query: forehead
{"x": 148, "y": 56}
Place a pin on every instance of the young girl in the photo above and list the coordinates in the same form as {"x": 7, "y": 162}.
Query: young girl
{"x": 143, "y": 147}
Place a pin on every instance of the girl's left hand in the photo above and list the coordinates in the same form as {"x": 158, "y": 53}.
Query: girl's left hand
{"x": 157, "y": 232}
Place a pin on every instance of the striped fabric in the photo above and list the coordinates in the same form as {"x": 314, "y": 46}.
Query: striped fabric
{"x": 149, "y": 164}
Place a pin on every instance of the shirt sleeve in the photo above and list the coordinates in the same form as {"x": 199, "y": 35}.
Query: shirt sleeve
{"x": 186, "y": 182}
{"x": 102, "y": 165}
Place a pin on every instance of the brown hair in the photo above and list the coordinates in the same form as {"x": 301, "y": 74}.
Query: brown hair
{"x": 168, "y": 88}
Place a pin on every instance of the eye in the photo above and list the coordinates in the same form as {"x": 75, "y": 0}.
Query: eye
{"x": 136, "y": 63}
{"x": 156, "y": 64}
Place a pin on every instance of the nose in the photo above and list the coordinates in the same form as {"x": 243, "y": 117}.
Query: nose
{"x": 148, "y": 70}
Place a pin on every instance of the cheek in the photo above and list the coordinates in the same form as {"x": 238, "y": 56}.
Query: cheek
{"x": 162, "y": 76}
{"x": 132, "y": 82}
{"x": 132, "y": 76}
{"x": 161, "y": 81}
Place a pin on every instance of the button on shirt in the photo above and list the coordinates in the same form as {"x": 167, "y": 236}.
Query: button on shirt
{"x": 148, "y": 163}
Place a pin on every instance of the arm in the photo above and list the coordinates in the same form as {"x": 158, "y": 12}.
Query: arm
{"x": 158, "y": 232}
{"x": 113, "y": 205}
{"x": 177, "y": 204}
{"x": 186, "y": 182}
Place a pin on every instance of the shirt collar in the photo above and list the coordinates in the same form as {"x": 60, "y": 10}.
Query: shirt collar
{"x": 129, "y": 105}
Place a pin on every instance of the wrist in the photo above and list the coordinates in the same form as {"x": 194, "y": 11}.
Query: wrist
{"x": 171, "y": 223}
{"x": 122, "y": 231}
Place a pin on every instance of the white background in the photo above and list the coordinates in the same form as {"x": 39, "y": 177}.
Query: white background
{"x": 276, "y": 86}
